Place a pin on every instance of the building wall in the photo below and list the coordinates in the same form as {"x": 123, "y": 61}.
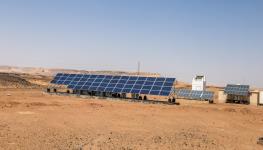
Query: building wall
{"x": 222, "y": 97}
{"x": 199, "y": 83}
{"x": 254, "y": 98}
{"x": 261, "y": 98}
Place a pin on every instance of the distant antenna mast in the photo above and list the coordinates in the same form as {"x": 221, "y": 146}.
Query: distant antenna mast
{"x": 139, "y": 67}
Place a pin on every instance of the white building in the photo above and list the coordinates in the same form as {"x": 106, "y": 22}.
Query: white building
{"x": 261, "y": 98}
{"x": 199, "y": 83}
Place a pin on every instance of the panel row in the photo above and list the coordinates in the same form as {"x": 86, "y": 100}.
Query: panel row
{"x": 105, "y": 81}
{"x": 237, "y": 89}
{"x": 109, "y": 77}
{"x": 237, "y": 86}
{"x": 234, "y": 92}
{"x": 190, "y": 94}
{"x": 116, "y": 84}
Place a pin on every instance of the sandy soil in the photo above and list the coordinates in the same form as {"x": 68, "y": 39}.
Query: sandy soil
{"x": 30, "y": 119}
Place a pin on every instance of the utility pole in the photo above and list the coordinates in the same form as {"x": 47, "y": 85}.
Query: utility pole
{"x": 139, "y": 67}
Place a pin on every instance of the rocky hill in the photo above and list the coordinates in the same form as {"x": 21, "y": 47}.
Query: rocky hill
{"x": 10, "y": 80}
{"x": 53, "y": 71}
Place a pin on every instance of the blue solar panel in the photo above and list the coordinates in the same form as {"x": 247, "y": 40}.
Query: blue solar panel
{"x": 59, "y": 74}
{"x": 133, "y": 78}
{"x": 136, "y": 86}
{"x": 125, "y": 77}
{"x": 170, "y": 80}
{"x": 151, "y": 79}
{"x": 103, "y": 84}
{"x": 145, "y": 91}
{"x": 158, "y": 83}
{"x": 120, "y": 86}
{"x": 117, "y": 84}
{"x": 67, "y": 82}
{"x": 95, "y": 84}
{"x": 156, "y": 88}
{"x": 100, "y": 88}
{"x": 77, "y": 87}
{"x": 88, "y": 83}
{"x": 197, "y": 95}
{"x": 116, "y": 77}
{"x": 60, "y": 82}
{"x": 208, "y": 95}
{"x": 155, "y": 92}
{"x": 242, "y": 90}
{"x": 106, "y": 80}
{"x": 131, "y": 82}
{"x": 63, "y": 78}
{"x": 142, "y": 78}
{"x": 109, "y": 89}
{"x": 100, "y": 76}
{"x": 128, "y": 86}
{"x": 71, "y": 86}
{"x": 168, "y": 83}
{"x": 93, "y": 76}
{"x": 136, "y": 91}
{"x": 98, "y": 80}
{"x": 85, "y": 87}
{"x": 114, "y": 81}
{"x": 166, "y": 88}
{"x": 139, "y": 82}
{"x": 145, "y": 87}
{"x": 160, "y": 79}
{"x": 128, "y": 90}
{"x": 149, "y": 83}
{"x": 122, "y": 81}
{"x": 78, "y": 75}
{"x": 164, "y": 93}
{"x": 93, "y": 88}
{"x": 108, "y": 77}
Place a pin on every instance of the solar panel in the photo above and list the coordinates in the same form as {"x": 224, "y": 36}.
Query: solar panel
{"x": 207, "y": 95}
{"x": 242, "y": 90}
{"x": 116, "y": 84}
{"x": 197, "y": 95}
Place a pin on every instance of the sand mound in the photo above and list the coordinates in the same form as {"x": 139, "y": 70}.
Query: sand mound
{"x": 10, "y": 80}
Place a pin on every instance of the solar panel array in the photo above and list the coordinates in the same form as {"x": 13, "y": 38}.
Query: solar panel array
{"x": 116, "y": 84}
{"x": 191, "y": 94}
{"x": 242, "y": 90}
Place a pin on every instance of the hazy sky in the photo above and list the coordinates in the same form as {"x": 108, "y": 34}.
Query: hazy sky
{"x": 222, "y": 39}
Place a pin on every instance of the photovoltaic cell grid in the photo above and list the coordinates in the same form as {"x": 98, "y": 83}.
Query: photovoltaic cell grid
{"x": 242, "y": 90}
{"x": 116, "y": 84}
{"x": 199, "y": 95}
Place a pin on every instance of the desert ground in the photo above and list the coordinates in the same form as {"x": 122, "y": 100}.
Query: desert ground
{"x": 32, "y": 119}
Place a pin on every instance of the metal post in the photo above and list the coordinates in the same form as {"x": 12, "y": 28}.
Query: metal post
{"x": 139, "y": 67}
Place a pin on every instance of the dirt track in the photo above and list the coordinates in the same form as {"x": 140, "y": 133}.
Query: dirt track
{"x": 32, "y": 120}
